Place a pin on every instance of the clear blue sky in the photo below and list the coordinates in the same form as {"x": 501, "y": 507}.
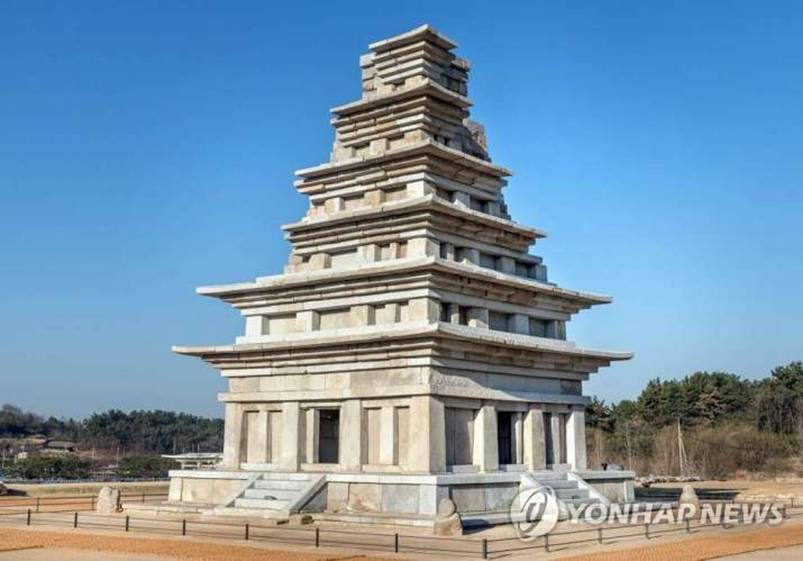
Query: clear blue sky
{"x": 147, "y": 148}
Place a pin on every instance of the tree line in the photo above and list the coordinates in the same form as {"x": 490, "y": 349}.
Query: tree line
{"x": 711, "y": 424}
{"x": 115, "y": 431}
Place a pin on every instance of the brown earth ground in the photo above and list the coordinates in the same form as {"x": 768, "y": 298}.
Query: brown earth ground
{"x": 71, "y": 544}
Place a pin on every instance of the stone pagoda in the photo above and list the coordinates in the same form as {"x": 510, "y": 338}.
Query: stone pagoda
{"x": 413, "y": 350}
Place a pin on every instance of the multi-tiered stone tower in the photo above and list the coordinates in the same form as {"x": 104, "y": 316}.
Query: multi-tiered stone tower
{"x": 413, "y": 348}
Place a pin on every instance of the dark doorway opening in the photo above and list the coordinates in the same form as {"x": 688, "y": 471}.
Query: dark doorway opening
{"x": 328, "y": 436}
{"x": 548, "y": 439}
{"x": 504, "y": 436}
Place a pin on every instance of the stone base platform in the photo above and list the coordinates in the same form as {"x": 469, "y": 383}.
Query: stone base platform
{"x": 385, "y": 499}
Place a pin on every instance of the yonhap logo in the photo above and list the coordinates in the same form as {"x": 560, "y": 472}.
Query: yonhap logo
{"x": 534, "y": 512}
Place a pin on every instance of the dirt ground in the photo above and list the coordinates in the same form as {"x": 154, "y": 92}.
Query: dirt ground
{"x": 14, "y": 540}
{"x": 712, "y": 546}
{"x": 65, "y": 545}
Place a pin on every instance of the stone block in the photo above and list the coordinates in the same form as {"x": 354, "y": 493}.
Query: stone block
{"x": 337, "y": 496}
{"x": 400, "y": 498}
{"x": 108, "y": 501}
{"x": 498, "y": 496}
{"x": 365, "y": 497}
{"x": 469, "y": 498}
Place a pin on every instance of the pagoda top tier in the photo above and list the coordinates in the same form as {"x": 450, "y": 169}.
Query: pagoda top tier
{"x": 409, "y": 58}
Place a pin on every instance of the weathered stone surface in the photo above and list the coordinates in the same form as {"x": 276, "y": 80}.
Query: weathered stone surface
{"x": 337, "y": 496}
{"x": 365, "y": 497}
{"x": 400, "y": 498}
{"x": 108, "y": 501}
{"x": 411, "y": 316}
{"x": 688, "y": 501}
{"x": 446, "y": 507}
{"x": 449, "y": 526}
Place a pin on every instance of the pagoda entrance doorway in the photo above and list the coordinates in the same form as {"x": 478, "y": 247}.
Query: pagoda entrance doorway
{"x": 328, "y": 436}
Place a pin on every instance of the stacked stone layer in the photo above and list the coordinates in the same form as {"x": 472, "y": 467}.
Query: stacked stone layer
{"x": 410, "y": 303}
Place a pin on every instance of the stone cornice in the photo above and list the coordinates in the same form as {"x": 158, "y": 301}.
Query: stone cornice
{"x": 428, "y": 146}
{"x": 428, "y": 88}
{"x": 393, "y": 335}
{"x": 394, "y": 269}
{"x": 409, "y": 205}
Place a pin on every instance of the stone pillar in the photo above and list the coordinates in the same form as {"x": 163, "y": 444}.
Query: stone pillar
{"x": 388, "y": 447}
{"x": 557, "y": 430}
{"x": 448, "y": 251}
{"x": 419, "y": 189}
{"x": 335, "y": 204}
{"x": 576, "y": 438}
{"x": 462, "y": 199}
{"x": 454, "y": 314}
{"x": 370, "y": 253}
{"x": 350, "y": 437}
{"x": 507, "y": 265}
{"x": 374, "y": 198}
{"x": 424, "y": 309}
{"x": 422, "y": 247}
{"x": 291, "y": 436}
{"x": 427, "y": 440}
{"x": 258, "y": 438}
{"x": 520, "y": 323}
{"x": 471, "y": 255}
{"x": 310, "y": 435}
{"x": 378, "y": 146}
{"x": 233, "y": 436}
{"x": 364, "y": 314}
{"x": 486, "y": 444}
{"x": 256, "y": 326}
{"x": 307, "y": 321}
{"x": 534, "y": 439}
{"x": 478, "y": 317}
{"x": 518, "y": 438}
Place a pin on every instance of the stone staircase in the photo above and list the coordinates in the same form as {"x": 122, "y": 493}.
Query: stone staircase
{"x": 273, "y": 495}
{"x": 568, "y": 490}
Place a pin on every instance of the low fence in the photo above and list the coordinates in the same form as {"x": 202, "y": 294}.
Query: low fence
{"x": 316, "y": 536}
{"x": 68, "y": 503}
{"x": 311, "y": 536}
{"x": 607, "y": 533}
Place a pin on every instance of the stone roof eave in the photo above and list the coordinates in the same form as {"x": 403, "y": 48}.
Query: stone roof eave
{"x": 425, "y": 146}
{"x": 428, "y": 87}
{"x": 401, "y": 265}
{"x": 437, "y": 330}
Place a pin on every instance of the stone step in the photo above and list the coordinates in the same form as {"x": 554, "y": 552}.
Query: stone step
{"x": 283, "y": 494}
{"x": 564, "y": 494}
{"x": 245, "y": 514}
{"x": 550, "y": 476}
{"x": 266, "y": 504}
{"x": 280, "y": 484}
{"x": 279, "y": 476}
{"x": 557, "y": 484}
